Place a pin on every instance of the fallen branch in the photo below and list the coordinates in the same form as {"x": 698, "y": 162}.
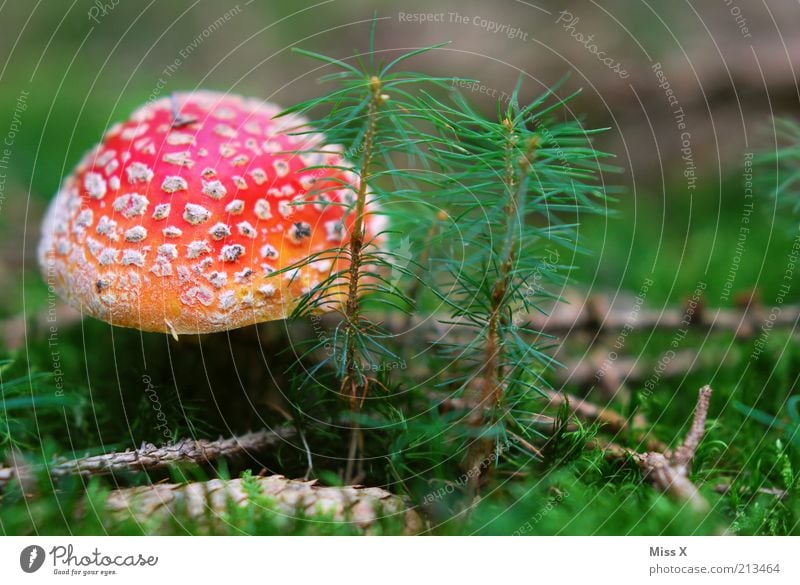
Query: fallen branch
{"x": 594, "y": 314}
{"x": 607, "y": 419}
{"x": 577, "y": 314}
{"x": 724, "y": 488}
{"x": 210, "y": 501}
{"x": 669, "y": 472}
{"x": 611, "y": 374}
{"x": 151, "y": 458}
{"x": 597, "y": 314}
{"x": 547, "y": 425}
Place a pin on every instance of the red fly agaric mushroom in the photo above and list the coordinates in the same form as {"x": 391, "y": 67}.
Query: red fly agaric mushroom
{"x": 179, "y": 219}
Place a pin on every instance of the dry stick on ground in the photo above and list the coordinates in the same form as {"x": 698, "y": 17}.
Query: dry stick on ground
{"x": 577, "y": 314}
{"x": 607, "y": 419}
{"x": 597, "y": 369}
{"x": 152, "y": 458}
{"x": 612, "y": 375}
{"x": 595, "y": 313}
{"x": 600, "y": 370}
{"x": 669, "y": 472}
{"x": 547, "y": 425}
{"x": 724, "y": 488}
{"x": 581, "y": 373}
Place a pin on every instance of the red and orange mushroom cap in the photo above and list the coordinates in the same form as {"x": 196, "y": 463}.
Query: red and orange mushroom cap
{"x": 178, "y": 221}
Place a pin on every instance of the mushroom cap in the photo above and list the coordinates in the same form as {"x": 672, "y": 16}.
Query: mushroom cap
{"x": 178, "y": 219}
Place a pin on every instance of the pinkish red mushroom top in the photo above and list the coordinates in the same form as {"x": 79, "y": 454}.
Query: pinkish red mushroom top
{"x": 177, "y": 221}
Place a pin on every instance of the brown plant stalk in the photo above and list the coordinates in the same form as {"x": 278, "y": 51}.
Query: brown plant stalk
{"x": 493, "y": 374}
{"x": 150, "y": 458}
{"x": 354, "y": 383}
{"x": 669, "y": 472}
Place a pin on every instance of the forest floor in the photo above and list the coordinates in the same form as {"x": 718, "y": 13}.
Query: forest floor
{"x": 116, "y": 389}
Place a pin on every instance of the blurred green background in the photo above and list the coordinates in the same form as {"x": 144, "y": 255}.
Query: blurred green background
{"x": 70, "y": 69}
{"x": 76, "y": 67}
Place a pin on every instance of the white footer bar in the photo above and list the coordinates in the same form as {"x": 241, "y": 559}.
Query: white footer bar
{"x": 401, "y": 560}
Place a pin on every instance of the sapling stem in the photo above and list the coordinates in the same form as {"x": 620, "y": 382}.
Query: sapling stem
{"x": 515, "y": 185}
{"x": 354, "y": 377}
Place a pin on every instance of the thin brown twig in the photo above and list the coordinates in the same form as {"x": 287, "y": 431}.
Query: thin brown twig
{"x": 596, "y": 314}
{"x": 578, "y": 314}
{"x": 683, "y": 455}
{"x": 724, "y": 488}
{"x": 599, "y": 370}
{"x": 151, "y": 458}
{"x": 669, "y": 472}
{"x": 543, "y": 423}
{"x": 608, "y": 420}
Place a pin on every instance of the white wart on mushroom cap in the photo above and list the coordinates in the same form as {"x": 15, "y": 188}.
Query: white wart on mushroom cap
{"x": 177, "y": 221}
